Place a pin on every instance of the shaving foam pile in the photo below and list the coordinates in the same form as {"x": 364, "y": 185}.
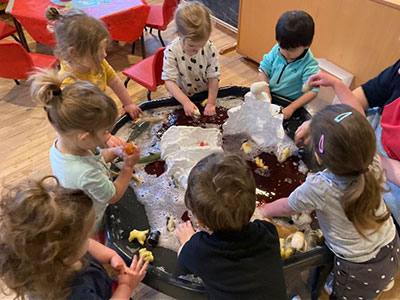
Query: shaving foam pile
{"x": 258, "y": 118}
{"x": 183, "y": 146}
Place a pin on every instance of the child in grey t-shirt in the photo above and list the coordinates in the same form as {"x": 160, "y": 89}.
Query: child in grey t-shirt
{"x": 348, "y": 199}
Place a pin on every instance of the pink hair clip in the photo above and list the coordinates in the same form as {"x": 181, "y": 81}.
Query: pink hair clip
{"x": 321, "y": 144}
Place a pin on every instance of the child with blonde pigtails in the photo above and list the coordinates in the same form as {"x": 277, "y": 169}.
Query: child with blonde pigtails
{"x": 348, "y": 199}
{"x": 81, "y": 46}
{"x": 82, "y": 116}
{"x": 191, "y": 60}
{"x": 46, "y": 252}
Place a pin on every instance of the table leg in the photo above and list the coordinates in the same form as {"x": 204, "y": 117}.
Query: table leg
{"x": 21, "y": 34}
{"x": 142, "y": 46}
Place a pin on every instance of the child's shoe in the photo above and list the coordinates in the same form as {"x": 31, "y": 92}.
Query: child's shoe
{"x": 328, "y": 286}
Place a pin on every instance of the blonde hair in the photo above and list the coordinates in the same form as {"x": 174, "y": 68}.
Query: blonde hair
{"x": 41, "y": 230}
{"x": 221, "y": 192}
{"x": 79, "y": 106}
{"x": 79, "y": 31}
{"x": 348, "y": 149}
{"x": 193, "y": 21}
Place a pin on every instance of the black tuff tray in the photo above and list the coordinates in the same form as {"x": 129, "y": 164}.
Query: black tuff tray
{"x": 162, "y": 275}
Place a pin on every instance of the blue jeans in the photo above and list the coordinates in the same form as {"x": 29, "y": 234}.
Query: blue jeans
{"x": 392, "y": 198}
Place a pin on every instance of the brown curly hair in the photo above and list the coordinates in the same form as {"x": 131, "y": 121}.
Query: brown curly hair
{"x": 41, "y": 230}
{"x": 221, "y": 192}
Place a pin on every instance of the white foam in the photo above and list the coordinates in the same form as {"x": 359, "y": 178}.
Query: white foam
{"x": 161, "y": 195}
{"x": 182, "y": 147}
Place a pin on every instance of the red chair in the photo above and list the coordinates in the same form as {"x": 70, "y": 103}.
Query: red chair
{"x": 161, "y": 16}
{"x": 37, "y": 28}
{"x": 147, "y": 72}
{"x": 127, "y": 25}
{"x": 7, "y": 30}
{"x": 17, "y": 63}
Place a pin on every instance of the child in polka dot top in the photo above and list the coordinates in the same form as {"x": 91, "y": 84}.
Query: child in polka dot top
{"x": 348, "y": 199}
{"x": 191, "y": 60}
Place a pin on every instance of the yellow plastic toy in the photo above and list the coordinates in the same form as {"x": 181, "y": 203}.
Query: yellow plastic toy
{"x": 140, "y": 236}
{"x": 260, "y": 164}
{"x": 284, "y": 154}
{"x": 148, "y": 255}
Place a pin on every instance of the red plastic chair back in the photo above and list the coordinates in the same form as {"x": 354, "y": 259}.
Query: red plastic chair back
{"x": 37, "y": 28}
{"x": 6, "y": 30}
{"x": 15, "y": 62}
{"x": 127, "y": 25}
{"x": 169, "y": 7}
{"x": 158, "y": 65}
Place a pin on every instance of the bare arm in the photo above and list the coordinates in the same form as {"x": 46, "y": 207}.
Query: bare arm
{"x": 342, "y": 91}
{"x": 278, "y": 208}
{"x": 100, "y": 252}
{"x": 122, "y": 182}
{"x": 175, "y": 91}
{"x": 360, "y": 96}
{"x": 392, "y": 168}
{"x": 212, "y": 96}
{"x": 108, "y": 154}
{"x": 119, "y": 89}
{"x": 299, "y": 102}
{"x": 263, "y": 77}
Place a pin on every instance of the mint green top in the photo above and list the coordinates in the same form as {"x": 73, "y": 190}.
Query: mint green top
{"x": 286, "y": 79}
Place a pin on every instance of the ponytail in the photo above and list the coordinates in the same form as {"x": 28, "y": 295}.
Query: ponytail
{"x": 53, "y": 14}
{"x": 79, "y": 106}
{"x": 42, "y": 226}
{"x": 362, "y": 199}
{"x": 46, "y": 86}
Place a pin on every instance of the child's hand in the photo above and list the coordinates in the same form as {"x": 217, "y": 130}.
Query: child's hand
{"x": 113, "y": 141}
{"x": 322, "y": 79}
{"x": 133, "y": 110}
{"x": 184, "y": 232}
{"x": 287, "y": 112}
{"x": 131, "y": 159}
{"x": 303, "y": 133}
{"x": 189, "y": 108}
{"x": 119, "y": 264}
{"x": 136, "y": 273}
{"x": 209, "y": 110}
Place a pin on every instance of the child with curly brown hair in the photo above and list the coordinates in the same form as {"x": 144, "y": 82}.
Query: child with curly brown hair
{"x": 45, "y": 249}
{"x": 239, "y": 259}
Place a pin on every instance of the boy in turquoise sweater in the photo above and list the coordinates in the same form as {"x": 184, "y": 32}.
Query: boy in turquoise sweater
{"x": 290, "y": 62}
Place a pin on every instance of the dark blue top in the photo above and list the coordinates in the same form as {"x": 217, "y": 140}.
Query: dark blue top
{"x": 239, "y": 264}
{"x": 384, "y": 91}
{"x": 92, "y": 283}
{"x": 385, "y": 88}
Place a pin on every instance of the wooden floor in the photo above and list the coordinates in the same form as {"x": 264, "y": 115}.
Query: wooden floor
{"x": 26, "y": 135}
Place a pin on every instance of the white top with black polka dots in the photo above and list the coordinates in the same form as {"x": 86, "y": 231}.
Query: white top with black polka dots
{"x": 190, "y": 73}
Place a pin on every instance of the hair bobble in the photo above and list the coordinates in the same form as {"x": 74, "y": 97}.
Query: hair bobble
{"x": 57, "y": 92}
